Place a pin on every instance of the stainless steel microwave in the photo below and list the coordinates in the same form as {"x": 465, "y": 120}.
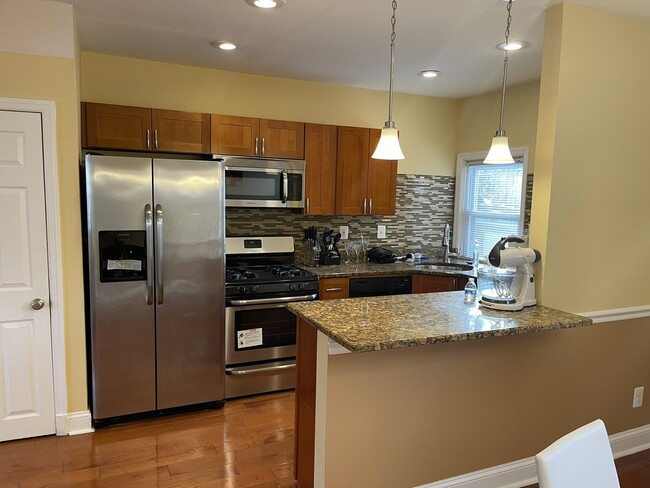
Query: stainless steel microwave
{"x": 255, "y": 182}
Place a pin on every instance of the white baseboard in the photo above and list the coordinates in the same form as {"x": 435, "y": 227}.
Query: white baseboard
{"x": 74, "y": 423}
{"x": 522, "y": 473}
{"x": 617, "y": 314}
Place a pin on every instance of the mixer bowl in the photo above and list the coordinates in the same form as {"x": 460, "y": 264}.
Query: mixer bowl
{"x": 500, "y": 285}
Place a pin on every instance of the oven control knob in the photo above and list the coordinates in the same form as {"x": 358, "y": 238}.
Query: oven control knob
{"x": 292, "y": 286}
{"x": 301, "y": 286}
{"x": 253, "y": 288}
{"x": 242, "y": 289}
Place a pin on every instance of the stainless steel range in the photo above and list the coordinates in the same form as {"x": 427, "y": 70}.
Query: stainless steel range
{"x": 260, "y": 332}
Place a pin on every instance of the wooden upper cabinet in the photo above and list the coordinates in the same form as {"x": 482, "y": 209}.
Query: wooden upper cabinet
{"x": 116, "y": 126}
{"x": 144, "y": 129}
{"x": 320, "y": 176}
{"x": 184, "y": 132}
{"x": 352, "y": 171}
{"x": 282, "y": 139}
{"x": 364, "y": 186}
{"x": 249, "y": 136}
{"x": 236, "y": 136}
{"x": 382, "y": 181}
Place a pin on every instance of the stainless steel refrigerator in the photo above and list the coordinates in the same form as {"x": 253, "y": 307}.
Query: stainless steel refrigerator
{"x": 155, "y": 283}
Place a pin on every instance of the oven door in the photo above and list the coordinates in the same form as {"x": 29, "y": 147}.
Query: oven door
{"x": 264, "y": 187}
{"x": 260, "y": 331}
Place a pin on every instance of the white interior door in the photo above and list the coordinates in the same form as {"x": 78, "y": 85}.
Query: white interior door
{"x": 26, "y": 382}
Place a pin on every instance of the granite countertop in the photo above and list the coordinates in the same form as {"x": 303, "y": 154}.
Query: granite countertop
{"x": 389, "y": 322}
{"x": 368, "y": 268}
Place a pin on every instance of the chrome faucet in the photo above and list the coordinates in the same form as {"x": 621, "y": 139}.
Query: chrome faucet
{"x": 445, "y": 244}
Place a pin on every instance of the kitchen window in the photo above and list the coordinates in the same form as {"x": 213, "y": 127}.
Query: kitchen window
{"x": 490, "y": 201}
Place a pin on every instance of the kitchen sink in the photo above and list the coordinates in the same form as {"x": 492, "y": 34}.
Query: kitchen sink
{"x": 444, "y": 267}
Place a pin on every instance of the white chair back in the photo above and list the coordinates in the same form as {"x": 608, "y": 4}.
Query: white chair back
{"x": 581, "y": 459}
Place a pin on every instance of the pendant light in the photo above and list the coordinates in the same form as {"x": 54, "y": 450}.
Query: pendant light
{"x": 388, "y": 147}
{"x": 500, "y": 151}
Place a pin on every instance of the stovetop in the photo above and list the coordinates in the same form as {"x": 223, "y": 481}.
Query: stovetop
{"x": 262, "y": 274}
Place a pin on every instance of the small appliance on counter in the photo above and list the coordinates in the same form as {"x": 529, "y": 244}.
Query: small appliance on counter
{"x": 509, "y": 284}
{"x": 329, "y": 251}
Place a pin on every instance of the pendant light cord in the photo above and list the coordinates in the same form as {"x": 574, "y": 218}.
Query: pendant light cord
{"x": 390, "y": 123}
{"x": 501, "y": 132}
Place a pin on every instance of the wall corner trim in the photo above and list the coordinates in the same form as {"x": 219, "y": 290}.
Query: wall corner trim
{"x": 616, "y": 314}
{"x": 74, "y": 423}
{"x": 523, "y": 473}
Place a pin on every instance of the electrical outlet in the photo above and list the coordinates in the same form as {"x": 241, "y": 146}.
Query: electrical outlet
{"x": 343, "y": 229}
{"x": 638, "y": 397}
{"x": 381, "y": 232}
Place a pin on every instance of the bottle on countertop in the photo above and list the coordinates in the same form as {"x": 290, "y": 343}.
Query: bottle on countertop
{"x": 470, "y": 291}
{"x": 477, "y": 250}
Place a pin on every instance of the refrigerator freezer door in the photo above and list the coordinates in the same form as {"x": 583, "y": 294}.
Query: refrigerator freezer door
{"x": 122, "y": 334}
{"x": 189, "y": 216}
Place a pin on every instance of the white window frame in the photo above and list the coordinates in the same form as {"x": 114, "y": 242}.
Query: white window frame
{"x": 464, "y": 160}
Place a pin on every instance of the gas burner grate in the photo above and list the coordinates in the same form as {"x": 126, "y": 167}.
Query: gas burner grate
{"x": 286, "y": 271}
{"x": 240, "y": 274}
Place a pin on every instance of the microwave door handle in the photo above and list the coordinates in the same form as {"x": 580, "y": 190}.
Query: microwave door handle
{"x": 159, "y": 255}
{"x": 148, "y": 224}
{"x": 285, "y": 186}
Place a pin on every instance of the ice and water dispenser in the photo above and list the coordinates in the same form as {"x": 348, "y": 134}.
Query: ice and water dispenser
{"x": 123, "y": 255}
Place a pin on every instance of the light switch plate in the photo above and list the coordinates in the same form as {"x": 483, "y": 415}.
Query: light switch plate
{"x": 343, "y": 229}
{"x": 381, "y": 232}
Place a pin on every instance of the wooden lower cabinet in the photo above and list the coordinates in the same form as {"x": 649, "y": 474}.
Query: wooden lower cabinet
{"x": 332, "y": 288}
{"x": 305, "y": 426}
{"x": 434, "y": 283}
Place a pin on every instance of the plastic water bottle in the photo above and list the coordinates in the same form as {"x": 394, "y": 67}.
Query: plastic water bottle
{"x": 470, "y": 291}
{"x": 477, "y": 250}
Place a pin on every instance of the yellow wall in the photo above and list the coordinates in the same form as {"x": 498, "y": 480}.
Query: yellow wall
{"x": 478, "y": 120}
{"x": 427, "y": 124}
{"x": 591, "y": 198}
{"x": 53, "y": 78}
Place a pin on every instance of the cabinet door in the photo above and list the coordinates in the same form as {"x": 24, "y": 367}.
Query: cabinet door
{"x": 184, "y": 132}
{"x": 320, "y": 156}
{"x": 117, "y": 127}
{"x": 352, "y": 171}
{"x": 282, "y": 139}
{"x": 332, "y": 288}
{"x": 236, "y": 136}
{"x": 382, "y": 181}
{"x": 432, "y": 283}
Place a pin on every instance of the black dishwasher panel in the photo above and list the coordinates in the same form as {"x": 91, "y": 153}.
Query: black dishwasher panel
{"x": 379, "y": 285}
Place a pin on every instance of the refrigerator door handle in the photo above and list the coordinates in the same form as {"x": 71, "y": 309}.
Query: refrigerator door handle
{"x": 160, "y": 291}
{"x": 148, "y": 226}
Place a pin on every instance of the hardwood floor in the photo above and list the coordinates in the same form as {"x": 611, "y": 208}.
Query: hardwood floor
{"x": 248, "y": 443}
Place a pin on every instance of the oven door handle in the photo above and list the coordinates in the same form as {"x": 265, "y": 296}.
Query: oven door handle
{"x": 263, "y": 301}
{"x": 266, "y": 369}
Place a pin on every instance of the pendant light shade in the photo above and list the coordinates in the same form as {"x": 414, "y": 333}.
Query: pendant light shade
{"x": 388, "y": 147}
{"x": 500, "y": 151}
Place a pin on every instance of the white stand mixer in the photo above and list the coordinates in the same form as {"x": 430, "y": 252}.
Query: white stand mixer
{"x": 500, "y": 296}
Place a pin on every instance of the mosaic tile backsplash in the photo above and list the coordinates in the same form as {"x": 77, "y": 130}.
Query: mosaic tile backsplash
{"x": 424, "y": 205}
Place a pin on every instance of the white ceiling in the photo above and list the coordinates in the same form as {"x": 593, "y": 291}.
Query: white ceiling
{"x": 343, "y": 42}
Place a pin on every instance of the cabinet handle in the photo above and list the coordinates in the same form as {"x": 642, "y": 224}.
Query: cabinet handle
{"x": 263, "y": 146}
{"x": 148, "y": 139}
{"x": 155, "y": 139}
{"x": 308, "y": 205}
{"x": 371, "y": 206}
{"x": 333, "y": 289}
{"x": 365, "y": 201}
{"x": 257, "y": 151}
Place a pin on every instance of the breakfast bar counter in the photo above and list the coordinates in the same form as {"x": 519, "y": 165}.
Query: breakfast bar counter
{"x": 389, "y": 322}
{"x": 434, "y": 387}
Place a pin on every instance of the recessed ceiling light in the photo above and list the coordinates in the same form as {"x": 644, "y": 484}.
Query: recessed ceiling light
{"x": 266, "y": 4}
{"x": 225, "y": 45}
{"x": 429, "y": 73}
{"x": 513, "y": 45}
